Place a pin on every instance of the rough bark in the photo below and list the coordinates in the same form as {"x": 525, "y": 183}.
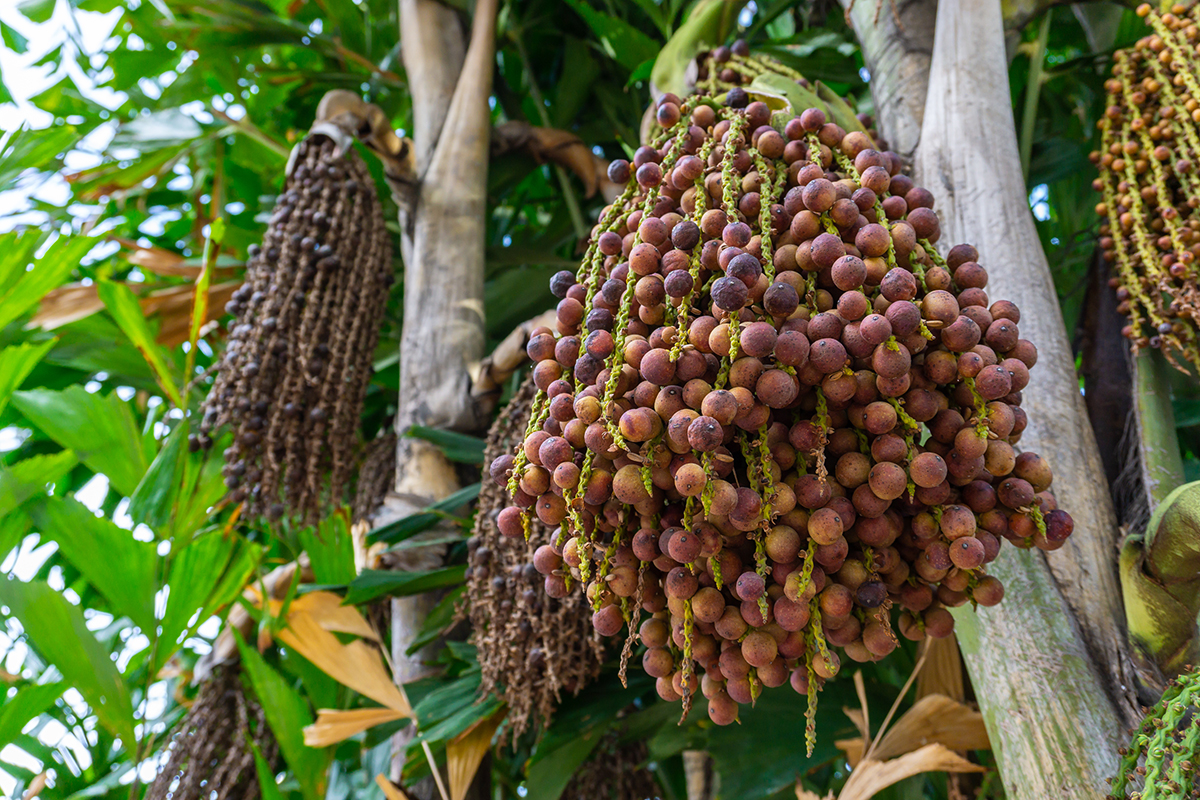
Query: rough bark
{"x": 443, "y": 219}
{"x": 897, "y": 44}
{"x": 1050, "y": 662}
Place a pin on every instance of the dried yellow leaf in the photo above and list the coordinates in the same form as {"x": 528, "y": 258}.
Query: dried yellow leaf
{"x": 356, "y": 665}
{"x": 336, "y": 725}
{"x": 872, "y": 777}
{"x": 943, "y": 672}
{"x": 935, "y": 718}
{"x": 35, "y": 787}
{"x": 390, "y": 790}
{"x": 805, "y": 794}
{"x": 465, "y": 752}
{"x": 327, "y": 609}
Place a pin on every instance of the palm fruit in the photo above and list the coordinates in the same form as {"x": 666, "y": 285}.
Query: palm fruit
{"x": 771, "y": 415}
{"x": 531, "y": 647}
{"x": 1150, "y": 146}
{"x": 726, "y": 67}
{"x": 291, "y": 382}
{"x": 1161, "y": 760}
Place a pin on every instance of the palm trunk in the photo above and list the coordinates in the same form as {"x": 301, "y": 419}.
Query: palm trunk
{"x": 1050, "y": 664}
{"x": 443, "y": 221}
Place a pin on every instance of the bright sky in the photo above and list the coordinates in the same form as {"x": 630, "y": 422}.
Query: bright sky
{"x": 82, "y": 32}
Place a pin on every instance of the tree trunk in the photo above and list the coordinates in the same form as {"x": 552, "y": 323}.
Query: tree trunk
{"x": 1050, "y": 664}
{"x": 443, "y": 220}
{"x": 897, "y": 44}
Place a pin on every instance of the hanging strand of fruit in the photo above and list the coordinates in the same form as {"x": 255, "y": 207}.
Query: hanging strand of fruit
{"x": 1150, "y": 149}
{"x": 291, "y": 382}
{"x": 1161, "y": 760}
{"x": 531, "y": 648}
{"x": 772, "y": 415}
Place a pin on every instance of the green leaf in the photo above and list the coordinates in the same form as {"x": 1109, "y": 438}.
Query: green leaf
{"x": 30, "y": 286}
{"x": 124, "y": 570}
{"x": 623, "y": 42}
{"x": 59, "y": 632}
{"x": 455, "y": 446}
{"x": 414, "y": 524}
{"x": 374, "y": 583}
{"x": 287, "y": 713}
{"x": 331, "y": 550}
{"x": 704, "y": 28}
{"x": 12, "y": 39}
{"x": 14, "y": 526}
{"x": 154, "y": 500}
{"x": 839, "y": 110}
{"x": 28, "y": 478}
{"x": 437, "y": 620}
{"x": 550, "y": 775}
{"x": 99, "y": 428}
{"x": 216, "y": 233}
{"x": 29, "y": 702}
{"x": 123, "y": 305}
{"x": 199, "y": 571}
{"x": 37, "y": 10}
{"x": 15, "y": 365}
{"x": 27, "y": 149}
{"x": 266, "y": 778}
{"x": 799, "y": 97}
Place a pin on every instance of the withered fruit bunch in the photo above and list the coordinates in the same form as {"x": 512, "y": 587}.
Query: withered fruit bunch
{"x": 532, "y": 648}
{"x": 1150, "y": 151}
{"x": 772, "y": 415}
{"x": 295, "y": 370}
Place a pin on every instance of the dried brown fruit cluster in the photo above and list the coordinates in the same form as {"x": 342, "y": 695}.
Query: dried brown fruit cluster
{"x": 531, "y": 648}
{"x": 771, "y": 411}
{"x": 614, "y": 771}
{"x": 1150, "y": 149}
{"x": 212, "y": 751}
{"x": 295, "y": 370}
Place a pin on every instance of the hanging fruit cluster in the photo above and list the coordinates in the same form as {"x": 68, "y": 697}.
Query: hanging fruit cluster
{"x": 771, "y": 412}
{"x": 1150, "y": 151}
{"x": 295, "y": 370}
{"x": 1161, "y": 761}
{"x": 726, "y": 67}
{"x": 531, "y": 648}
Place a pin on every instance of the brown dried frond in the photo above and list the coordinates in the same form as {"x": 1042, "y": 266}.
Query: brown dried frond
{"x": 292, "y": 380}
{"x": 210, "y": 757}
{"x": 532, "y": 647}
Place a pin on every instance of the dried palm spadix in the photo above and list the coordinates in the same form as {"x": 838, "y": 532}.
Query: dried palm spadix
{"x": 210, "y": 756}
{"x": 531, "y": 647}
{"x": 306, "y": 322}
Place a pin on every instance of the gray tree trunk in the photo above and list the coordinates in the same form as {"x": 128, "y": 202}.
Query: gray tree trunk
{"x": 443, "y": 222}
{"x": 897, "y": 45}
{"x": 1050, "y": 664}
